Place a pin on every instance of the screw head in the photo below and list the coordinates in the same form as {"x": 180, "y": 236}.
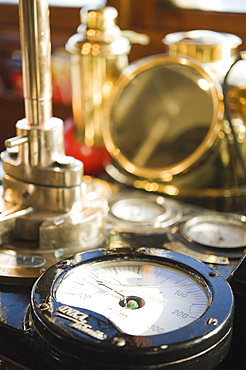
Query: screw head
{"x": 43, "y": 306}
{"x": 212, "y": 321}
{"x": 119, "y": 342}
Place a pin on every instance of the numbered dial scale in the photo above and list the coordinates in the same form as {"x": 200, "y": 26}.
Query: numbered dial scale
{"x": 126, "y": 308}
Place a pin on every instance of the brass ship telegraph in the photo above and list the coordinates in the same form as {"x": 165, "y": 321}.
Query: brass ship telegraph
{"x": 43, "y": 193}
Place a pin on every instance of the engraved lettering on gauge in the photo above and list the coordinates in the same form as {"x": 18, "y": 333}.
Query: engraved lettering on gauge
{"x": 79, "y": 321}
{"x": 140, "y": 298}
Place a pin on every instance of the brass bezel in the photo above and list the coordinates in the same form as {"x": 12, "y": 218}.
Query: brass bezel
{"x": 164, "y": 173}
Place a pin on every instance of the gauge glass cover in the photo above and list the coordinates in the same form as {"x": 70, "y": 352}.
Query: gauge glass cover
{"x": 154, "y": 124}
{"x": 140, "y": 298}
{"x": 137, "y": 210}
{"x": 216, "y": 231}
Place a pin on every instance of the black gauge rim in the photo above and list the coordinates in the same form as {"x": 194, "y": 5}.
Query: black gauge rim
{"x": 211, "y": 329}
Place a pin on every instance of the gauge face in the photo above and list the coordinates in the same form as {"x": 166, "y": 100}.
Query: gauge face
{"x": 140, "y": 298}
{"x": 146, "y": 214}
{"x": 137, "y": 210}
{"x": 154, "y": 126}
{"x": 169, "y": 125}
{"x": 216, "y": 231}
{"x": 147, "y": 307}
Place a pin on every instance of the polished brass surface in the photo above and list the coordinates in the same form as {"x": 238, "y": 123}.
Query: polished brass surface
{"x": 99, "y": 53}
{"x": 237, "y": 98}
{"x": 36, "y": 51}
{"x": 165, "y": 117}
{"x": 167, "y": 133}
{"x": 214, "y": 49}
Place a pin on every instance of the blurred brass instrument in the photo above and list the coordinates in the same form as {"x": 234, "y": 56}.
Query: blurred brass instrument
{"x": 169, "y": 129}
{"x": 99, "y": 53}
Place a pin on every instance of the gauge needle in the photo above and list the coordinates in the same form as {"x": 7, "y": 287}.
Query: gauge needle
{"x": 214, "y": 235}
{"x": 131, "y": 288}
{"x": 108, "y": 287}
{"x": 220, "y": 237}
{"x": 155, "y": 136}
{"x": 107, "y": 284}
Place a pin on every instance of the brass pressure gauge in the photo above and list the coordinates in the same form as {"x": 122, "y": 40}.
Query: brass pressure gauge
{"x": 164, "y": 126}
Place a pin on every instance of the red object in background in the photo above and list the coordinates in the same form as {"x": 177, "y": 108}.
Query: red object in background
{"x": 94, "y": 158}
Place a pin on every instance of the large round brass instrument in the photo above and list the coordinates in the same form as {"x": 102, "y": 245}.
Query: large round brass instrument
{"x": 168, "y": 133}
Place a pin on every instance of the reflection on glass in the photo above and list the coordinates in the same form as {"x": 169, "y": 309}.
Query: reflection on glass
{"x": 162, "y": 116}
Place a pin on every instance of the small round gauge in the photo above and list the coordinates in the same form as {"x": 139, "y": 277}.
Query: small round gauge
{"x": 147, "y": 307}
{"x": 219, "y": 231}
{"x": 136, "y": 210}
{"x": 143, "y": 212}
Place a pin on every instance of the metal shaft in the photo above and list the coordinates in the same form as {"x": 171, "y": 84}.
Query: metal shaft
{"x": 38, "y": 174}
{"x": 36, "y": 68}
